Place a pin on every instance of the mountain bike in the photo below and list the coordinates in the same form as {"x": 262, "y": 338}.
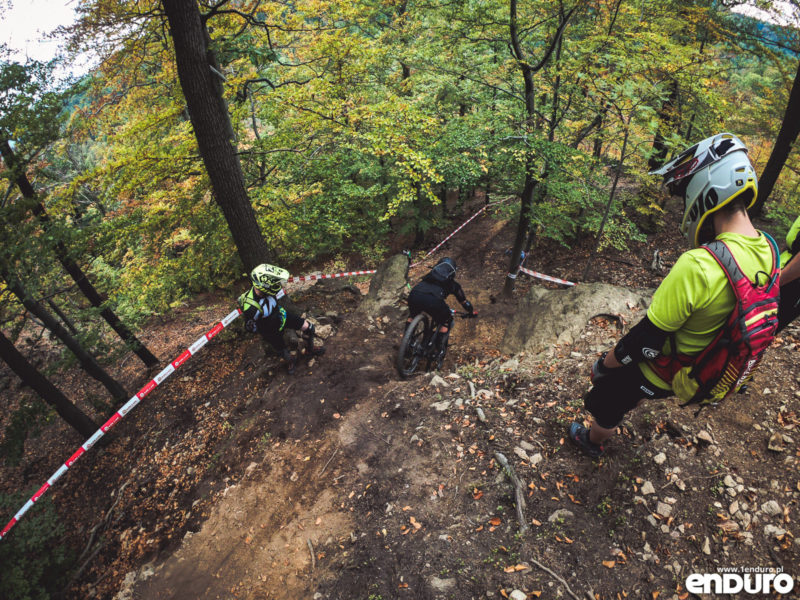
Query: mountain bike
{"x": 418, "y": 344}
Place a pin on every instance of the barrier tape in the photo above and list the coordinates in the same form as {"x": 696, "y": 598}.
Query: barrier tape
{"x": 543, "y": 276}
{"x": 333, "y": 276}
{"x": 464, "y": 224}
{"x": 118, "y": 416}
{"x": 196, "y": 347}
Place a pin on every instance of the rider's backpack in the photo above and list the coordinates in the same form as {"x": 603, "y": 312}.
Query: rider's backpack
{"x": 442, "y": 274}
{"x": 734, "y": 353}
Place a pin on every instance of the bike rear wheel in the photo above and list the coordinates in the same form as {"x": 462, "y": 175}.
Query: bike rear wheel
{"x": 412, "y": 346}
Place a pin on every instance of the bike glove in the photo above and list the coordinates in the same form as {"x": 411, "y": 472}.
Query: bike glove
{"x": 599, "y": 370}
{"x": 250, "y": 325}
{"x": 468, "y": 307}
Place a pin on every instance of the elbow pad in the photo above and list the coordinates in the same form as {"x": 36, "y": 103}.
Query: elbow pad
{"x": 643, "y": 342}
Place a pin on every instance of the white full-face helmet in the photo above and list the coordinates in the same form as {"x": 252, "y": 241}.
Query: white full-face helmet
{"x": 708, "y": 176}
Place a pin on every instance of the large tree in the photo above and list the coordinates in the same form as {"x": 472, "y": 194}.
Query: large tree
{"x": 87, "y": 361}
{"x": 212, "y": 127}
{"x": 70, "y": 266}
{"x": 31, "y": 376}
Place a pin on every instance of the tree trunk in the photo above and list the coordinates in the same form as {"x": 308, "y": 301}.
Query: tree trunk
{"x": 60, "y": 314}
{"x": 526, "y": 206}
{"x": 87, "y": 361}
{"x": 787, "y": 136}
{"x": 211, "y": 124}
{"x": 71, "y": 267}
{"x": 73, "y": 415}
{"x": 527, "y": 70}
{"x": 610, "y": 202}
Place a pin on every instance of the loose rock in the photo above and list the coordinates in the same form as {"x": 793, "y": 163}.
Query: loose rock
{"x": 562, "y": 514}
{"x": 772, "y": 508}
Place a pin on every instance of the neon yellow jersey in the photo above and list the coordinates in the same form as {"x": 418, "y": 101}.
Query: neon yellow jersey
{"x": 695, "y": 298}
{"x": 791, "y": 236}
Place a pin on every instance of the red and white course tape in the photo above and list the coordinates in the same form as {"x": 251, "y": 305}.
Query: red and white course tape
{"x": 464, "y": 224}
{"x": 117, "y": 417}
{"x": 545, "y": 277}
{"x": 333, "y": 276}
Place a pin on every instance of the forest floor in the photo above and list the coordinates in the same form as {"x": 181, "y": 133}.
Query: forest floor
{"x": 236, "y": 480}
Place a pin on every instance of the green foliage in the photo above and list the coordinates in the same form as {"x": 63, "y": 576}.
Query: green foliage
{"x": 24, "y": 420}
{"x": 354, "y": 121}
{"x": 35, "y": 564}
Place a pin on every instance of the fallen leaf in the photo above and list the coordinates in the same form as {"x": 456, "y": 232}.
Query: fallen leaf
{"x": 338, "y": 416}
{"x": 536, "y": 522}
{"x": 405, "y": 508}
{"x": 536, "y": 593}
{"x": 318, "y": 521}
{"x": 402, "y": 586}
{"x": 656, "y": 595}
{"x": 495, "y": 521}
{"x": 248, "y": 539}
{"x": 509, "y": 569}
{"x": 477, "y": 494}
{"x": 414, "y": 522}
{"x": 609, "y": 563}
{"x": 503, "y": 594}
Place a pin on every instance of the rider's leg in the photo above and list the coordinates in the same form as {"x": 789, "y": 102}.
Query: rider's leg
{"x": 609, "y": 400}
{"x": 269, "y": 329}
{"x": 416, "y": 305}
{"x": 308, "y": 331}
{"x": 443, "y": 334}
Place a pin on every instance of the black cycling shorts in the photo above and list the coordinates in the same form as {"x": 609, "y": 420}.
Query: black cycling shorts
{"x": 429, "y": 303}
{"x": 618, "y": 393}
{"x": 271, "y": 330}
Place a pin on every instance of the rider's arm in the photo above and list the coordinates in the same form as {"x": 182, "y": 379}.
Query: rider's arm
{"x": 458, "y": 292}
{"x": 643, "y": 342}
{"x": 791, "y": 271}
{"x": 681, "y": 290}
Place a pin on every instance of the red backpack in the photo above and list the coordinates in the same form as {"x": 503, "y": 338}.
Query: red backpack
{"x": 734, "y": 353}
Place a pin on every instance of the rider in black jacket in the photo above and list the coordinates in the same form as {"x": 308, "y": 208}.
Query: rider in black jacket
{"x": 429, "y": 296}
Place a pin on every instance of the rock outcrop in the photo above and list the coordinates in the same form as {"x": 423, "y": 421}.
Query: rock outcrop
{"x": 386, "y": 286}
{"x": 546, "y": 317}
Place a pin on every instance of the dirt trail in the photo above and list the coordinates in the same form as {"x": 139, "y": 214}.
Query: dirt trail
{"x": 343, "y": 482}
{"x": 329, "y": 436}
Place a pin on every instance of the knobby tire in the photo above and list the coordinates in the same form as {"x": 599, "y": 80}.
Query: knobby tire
{"x": 411, "y": 347}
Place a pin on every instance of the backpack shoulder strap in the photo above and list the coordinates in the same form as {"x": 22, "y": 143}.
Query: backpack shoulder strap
{"x": 776, "y": 264}
{"x": 724, "y": 257}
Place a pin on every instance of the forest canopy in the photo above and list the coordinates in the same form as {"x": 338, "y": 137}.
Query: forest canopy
{"x": 351, "y": 122}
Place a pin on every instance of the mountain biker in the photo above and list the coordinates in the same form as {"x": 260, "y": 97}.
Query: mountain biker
{"x": 717, "y": 184}
{"x": 789, "y": 306}
{"x": 263, "y": 315}
{"x": 429, "y": 296}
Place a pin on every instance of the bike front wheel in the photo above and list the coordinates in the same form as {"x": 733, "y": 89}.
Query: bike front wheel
{"x": 411, "y": 347}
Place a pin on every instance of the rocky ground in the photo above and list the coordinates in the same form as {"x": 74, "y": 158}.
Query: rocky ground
{"x": 237, "y": 481}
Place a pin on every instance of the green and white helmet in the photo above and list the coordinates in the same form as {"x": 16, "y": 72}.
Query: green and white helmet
{"x": 708, "y": 176}
{"x": 268, "y": 279}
